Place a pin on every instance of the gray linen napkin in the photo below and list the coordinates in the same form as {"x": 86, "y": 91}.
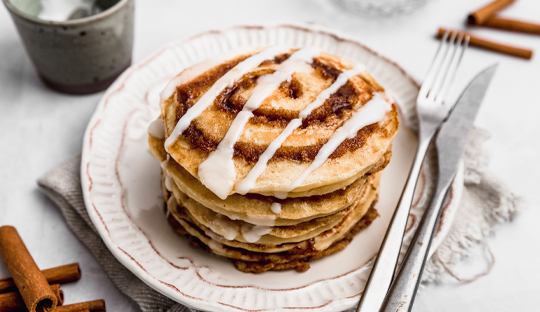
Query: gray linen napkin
{"x": 63, "y": 186}
{"x": 486, "y": 203}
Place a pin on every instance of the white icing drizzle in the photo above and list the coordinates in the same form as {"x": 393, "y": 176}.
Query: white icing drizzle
{"x": 252, "y": 233}
{"x": 215, "y": 245}
{"x": 227, "y": 80}
{"x": 249, "y": 181}
{"x": 373, "y": 111}
{"x": 225, "y": 227}
{"x": 157, "y": 129}
{"x": 197, "y": 70}
{"x": 171, "y": 201}
{"x": 276, "y": 208}
{"x": 212, "y": 234}
{"x": 281, "y": 195}
{"x": 165, "y": 163}
{"x": 217, "y": 172}
{"x": 169, "y": 183}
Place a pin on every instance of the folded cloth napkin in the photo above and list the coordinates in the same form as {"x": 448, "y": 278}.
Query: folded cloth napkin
{"x": 486, "y": 203}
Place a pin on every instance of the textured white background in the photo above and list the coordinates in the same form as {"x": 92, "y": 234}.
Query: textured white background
{"x": 40, "y": 128}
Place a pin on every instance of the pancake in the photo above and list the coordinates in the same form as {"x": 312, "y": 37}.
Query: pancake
{"x": 202, "y": 130}
{"x": 254, "y": 208}
{"x": 189, "y": 181}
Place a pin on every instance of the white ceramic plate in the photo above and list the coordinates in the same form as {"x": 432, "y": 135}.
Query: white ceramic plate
{"x": 122, "y": 191}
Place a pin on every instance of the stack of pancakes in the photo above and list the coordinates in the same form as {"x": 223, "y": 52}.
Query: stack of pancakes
{"x": 272, "y": 157}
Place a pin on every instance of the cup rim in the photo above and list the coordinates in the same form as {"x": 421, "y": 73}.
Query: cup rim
{"x": 34, "y": 19}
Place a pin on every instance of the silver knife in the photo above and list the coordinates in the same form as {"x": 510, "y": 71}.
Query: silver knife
{"x": 450, "y": 143}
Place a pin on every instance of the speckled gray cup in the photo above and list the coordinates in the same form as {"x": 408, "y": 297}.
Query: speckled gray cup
{"x": 77, "y": 56}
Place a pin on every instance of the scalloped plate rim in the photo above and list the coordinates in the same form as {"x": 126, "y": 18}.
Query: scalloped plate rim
{"x": 124, "y": 258}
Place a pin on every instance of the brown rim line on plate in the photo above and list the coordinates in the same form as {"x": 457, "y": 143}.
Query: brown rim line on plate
{"x": 93, "y": 182}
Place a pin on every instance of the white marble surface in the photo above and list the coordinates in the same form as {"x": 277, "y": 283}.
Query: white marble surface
{"x": 40, "y": 128}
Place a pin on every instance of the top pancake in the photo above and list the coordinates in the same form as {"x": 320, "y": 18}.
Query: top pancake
{"x": 206, "y": 131}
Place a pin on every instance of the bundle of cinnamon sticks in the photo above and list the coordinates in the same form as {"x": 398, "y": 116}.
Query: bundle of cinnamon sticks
{"x": 30, "y": 289}
{"x": 487, "y": 16}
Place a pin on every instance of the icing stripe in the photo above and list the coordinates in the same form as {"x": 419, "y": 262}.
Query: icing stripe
{"x": 226, "y": 81}
{"x": 217, "y": 172}
{"x": 252, "y": 233}
{"x": 249, "y": 181}
{"x": 373, "y": 111}
{"x": 276, "y": 208}
{"x": 157, "y": 129}
{"x": 169, "y": 183}
{"x": 195, "y": 71}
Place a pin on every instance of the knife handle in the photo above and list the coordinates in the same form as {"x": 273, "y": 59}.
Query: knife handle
{"x": 385, "y": 264}
{"x": 401, "y": 294}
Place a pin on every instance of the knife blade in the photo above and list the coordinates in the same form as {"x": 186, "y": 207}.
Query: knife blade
{"x": 451, "y": 142}
{"x": 454, "y": 133}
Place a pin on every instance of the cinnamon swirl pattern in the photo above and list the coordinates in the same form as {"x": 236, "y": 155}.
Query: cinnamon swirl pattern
{"x": 272, "y": 157}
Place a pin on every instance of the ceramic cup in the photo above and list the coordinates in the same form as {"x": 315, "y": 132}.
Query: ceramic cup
{"x": 76, "y": 56}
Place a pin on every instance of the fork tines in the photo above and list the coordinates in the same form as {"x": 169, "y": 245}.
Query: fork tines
{"x": 443, "y": 68}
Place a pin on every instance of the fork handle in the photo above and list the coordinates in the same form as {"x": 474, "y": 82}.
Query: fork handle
{"x": 401, "y": 295}
{"x": 384, "y": 267}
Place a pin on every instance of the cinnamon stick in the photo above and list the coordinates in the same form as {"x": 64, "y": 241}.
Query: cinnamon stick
{"x": 481, "y": 15}
{"x": 32, "y": 285}
{"x": 512, "y": 25}
{"x": 491, "y": 45}
{"x": 58, "y": 275}
{"x": 58, "y": 293}
{"x": 93, "y": 306}
{"x": 13, "y": 301}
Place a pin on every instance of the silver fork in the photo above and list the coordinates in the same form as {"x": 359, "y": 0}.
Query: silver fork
{"x": 432, "y": 111}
